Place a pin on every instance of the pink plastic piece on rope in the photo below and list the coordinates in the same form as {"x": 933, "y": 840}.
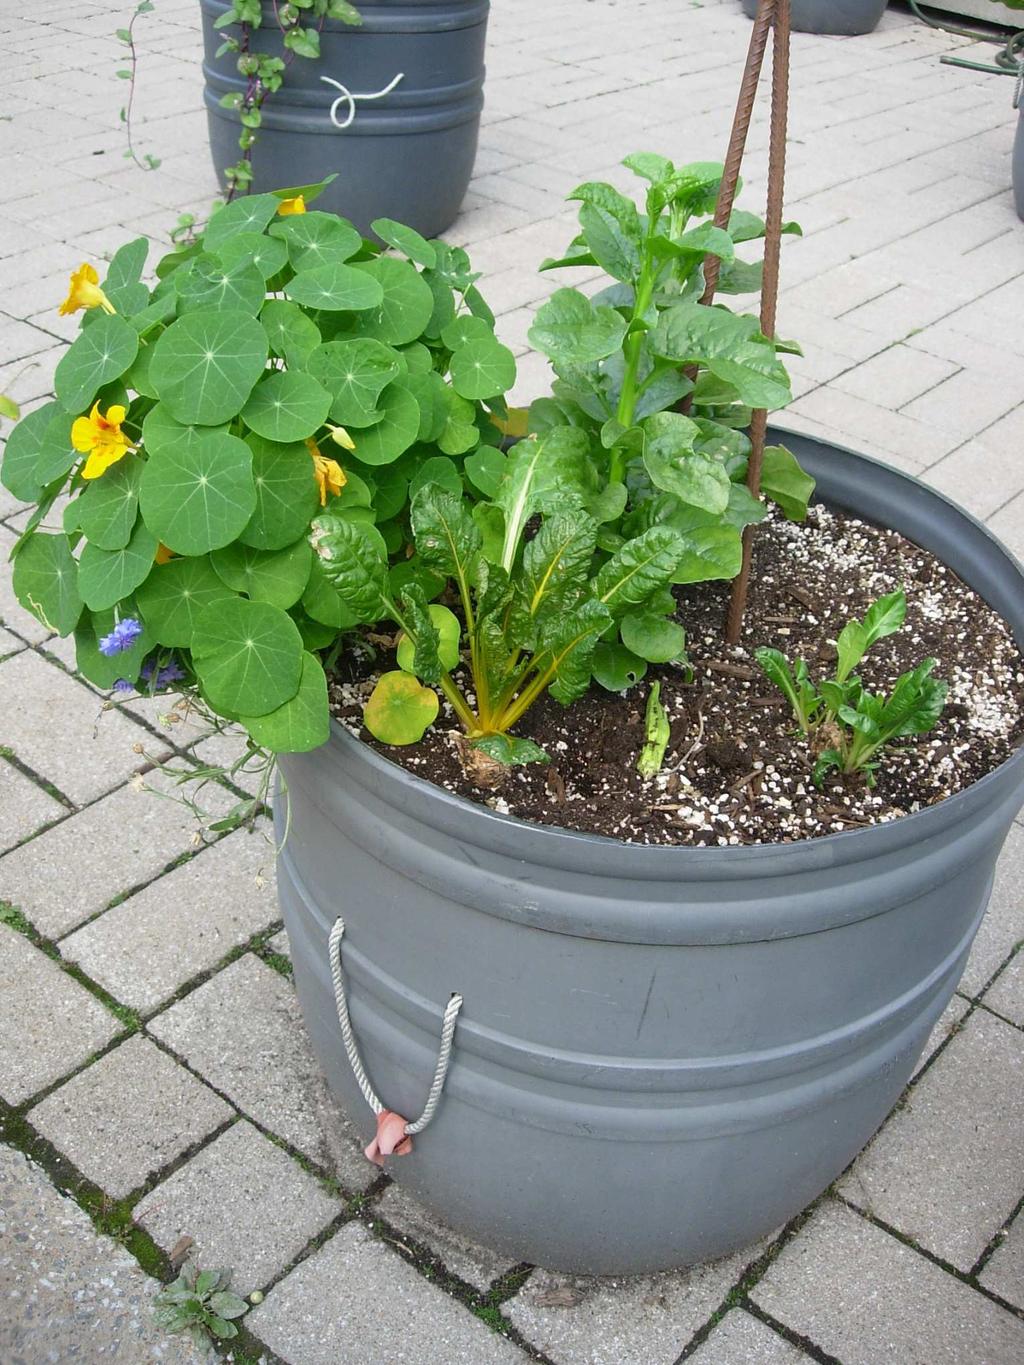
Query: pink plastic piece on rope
{"x": 391, "y": 1139}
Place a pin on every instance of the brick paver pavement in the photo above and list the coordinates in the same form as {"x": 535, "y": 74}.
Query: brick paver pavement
{"x": 138, "y": 1003}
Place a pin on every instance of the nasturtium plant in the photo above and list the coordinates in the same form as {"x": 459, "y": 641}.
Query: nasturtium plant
{"x": 279, "y": 367}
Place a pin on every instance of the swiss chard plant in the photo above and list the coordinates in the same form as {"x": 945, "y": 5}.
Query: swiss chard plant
{"x": 662, "y": 382}
{"x": 280, "y": 365}
{"x": 849, "y": 726}
{"x": 533, "y": 607}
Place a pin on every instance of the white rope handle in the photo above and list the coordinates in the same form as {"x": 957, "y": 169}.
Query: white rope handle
{"x": 451, "y": 1014}
{"x": 347, "y": 97}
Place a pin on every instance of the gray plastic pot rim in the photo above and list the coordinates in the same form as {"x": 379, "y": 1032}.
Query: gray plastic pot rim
{"x": 407, "y": 16}
{"x": 1002, "y": 786}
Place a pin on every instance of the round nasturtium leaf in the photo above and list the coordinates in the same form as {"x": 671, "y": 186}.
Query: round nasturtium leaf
{"x": 103, "y": 670}
{"x": 248, "y": 656}
{"x": 317, "y": 239}
{"x": 400, "y": 709}
{"x": 354, "y": 372}
{"x": 106, "y": 510}
{"x": 440, "y": 470}
{"x": 206, "y": 364}
{"x": 267, "y": 254}
{"x": 617, "y": 668}
{"x": 292, "y": 335}
{"x": 175, "y": 593}
{"x": 275, "y": 576}
{"x": 483, "y": 369}
{"x": 106, "y": 577}
{"x": 397, "y": 429}
{"x": 406, "y": 240}
{"x": 206, "y": 283}
{"x": 160, "y": 429}
{"x": 45, "y": 579}
{"x": 449, "y": 630}
{"x": 300, "y": 724}
{"x": 287, "y": 405}
{"x": 39, "y": 442}
{"x": 200, "y": 495}
{"x": 286, "y": 494}
{"x": 407, "y": 302}
{"x": 251, "y": 213}
{"x": 335, "y": 288}
{"x": 99, "y": 354}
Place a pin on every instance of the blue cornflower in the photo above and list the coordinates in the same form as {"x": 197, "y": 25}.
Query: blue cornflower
{"x": 122, "y": 687}
{"x": 122, "y": 637}
{"x": 161, "y": 677}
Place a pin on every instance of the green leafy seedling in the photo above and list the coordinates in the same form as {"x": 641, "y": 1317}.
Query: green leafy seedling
{"x": 200, "y": 1304}
{"x": 400, "y": 709}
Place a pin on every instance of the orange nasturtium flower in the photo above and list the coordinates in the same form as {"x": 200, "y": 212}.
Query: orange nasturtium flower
{"x": 84, "y": 292}
{"x": 163, "y": 554}
{"x": 330, "y": 477}
{"x": 101, "y": 438}
{"x": 287, "y": 206}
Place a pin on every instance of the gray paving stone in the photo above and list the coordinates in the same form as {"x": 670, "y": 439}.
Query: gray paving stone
{"x": 381, "y": 1312}
{"x": 475, "y": 1264}
{"x": 92, "y": 751}
{"x": 182, "y": 924}
{"x": 9, "y": 644}
{"x": 128, "y": 1115}
{"x": 1003, "y": 926}
{"x": 279, "y": 943}
{"x": 742, "y": 1339}
{"x": 1004, "y": 1274}
{"x": 66, "y": 1292}
{"x": 228, "y": 1028}
{"x": 49, "y": 1024}
{"x": 868, "y": 1299}
{"x": 116, "y": 843}
{"x": 24, "y": 807}
{"x": 246, "y": 1204}
{"x": 979, "y": 475}
{"x": 582, "y": 1320}
{"x": 948, "y": 1167}
{"x": 1006, "y": 994}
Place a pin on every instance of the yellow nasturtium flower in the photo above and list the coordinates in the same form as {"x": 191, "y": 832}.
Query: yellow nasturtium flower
{"x": 101, "y": 438}
{"x": 330, "y": 477}
{"x": 84, "y": 292}
{"x": 288, "y": 206}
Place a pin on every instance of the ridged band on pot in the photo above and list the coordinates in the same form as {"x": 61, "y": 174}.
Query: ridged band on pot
{"x": 407, "y": 155}
{"x": 664, "y": 1053}
{"x": 830, "y": 16}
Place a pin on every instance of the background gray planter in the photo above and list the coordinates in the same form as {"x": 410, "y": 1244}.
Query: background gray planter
{"x": 831, "y": 16}
{"x": 1018, "y": 164}
{"x": 408, "y": 155}
{"x": 664, "y": 1052}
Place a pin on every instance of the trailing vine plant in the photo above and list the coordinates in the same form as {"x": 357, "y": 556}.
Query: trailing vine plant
{"x": 300, "y": 23}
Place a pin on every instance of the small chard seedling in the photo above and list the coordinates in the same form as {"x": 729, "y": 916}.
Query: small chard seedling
{"x": 849, "y": 725}
{"x": 533, "y": 606}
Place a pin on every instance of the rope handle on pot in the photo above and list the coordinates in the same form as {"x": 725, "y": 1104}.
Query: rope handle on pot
{"x": 394, "y": 1133}
{"x": 347, "y": 97}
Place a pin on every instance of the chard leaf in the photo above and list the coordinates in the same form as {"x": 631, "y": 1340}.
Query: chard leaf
{"x": 449, "y": 634}
{"x": 916, "y": 703}
{"x": 556, "y": 562}
{"x": 425, "y": 636}
{"x": 354, "y": 560}
{"x": 542, "y": 475}
{"x": 567, "y": 649}
{"x": 882, "y": 618}
{"x": 639, "y": 568}
{"x": 447, "y": 538}
{"x": 511, "y": 750}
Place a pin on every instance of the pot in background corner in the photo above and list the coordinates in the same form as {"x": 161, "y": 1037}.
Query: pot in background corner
{"x": 830, "y": 16}
{"x": 407, "y": 155}
{"x": 1018, "y": 164}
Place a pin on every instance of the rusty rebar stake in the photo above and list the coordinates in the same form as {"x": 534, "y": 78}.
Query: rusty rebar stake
{"x": 774, "y": 15}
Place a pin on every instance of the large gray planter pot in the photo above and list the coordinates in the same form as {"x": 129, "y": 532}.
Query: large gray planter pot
{"x": 664, "y": 1053}
{"x": 408, "y": 155}
{"x": 831, "y": 16}
{"x": 1018, "y": 164}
